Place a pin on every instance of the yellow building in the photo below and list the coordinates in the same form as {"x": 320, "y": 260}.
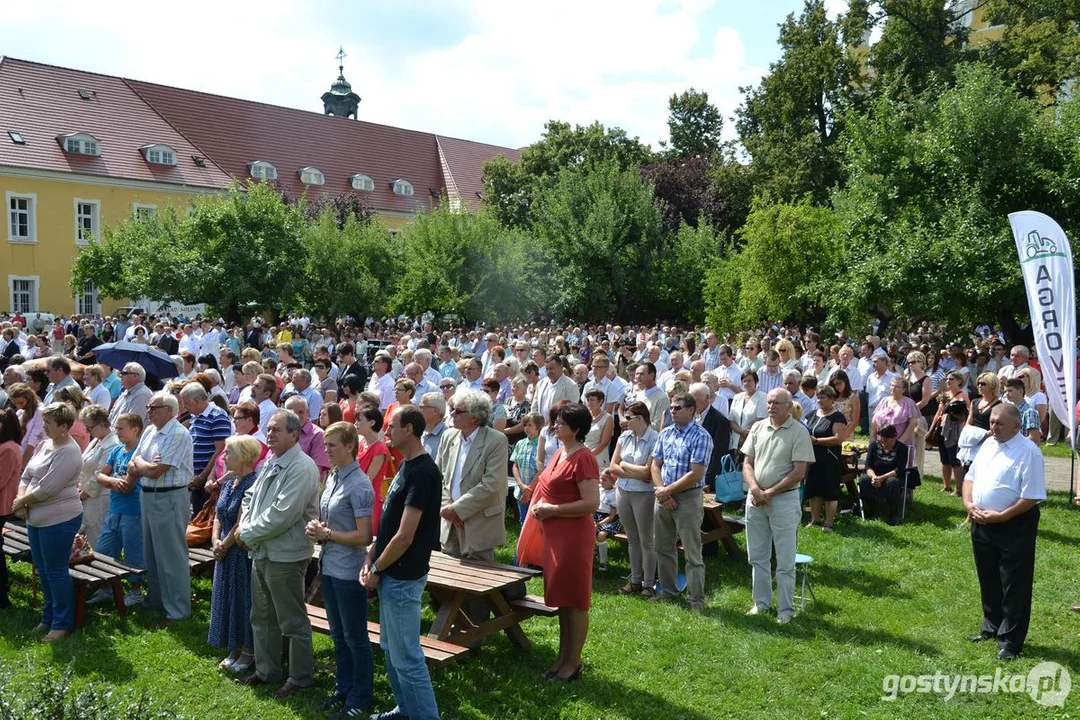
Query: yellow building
{"x": 972, "y": 15}
{"x": 79, "y": 150}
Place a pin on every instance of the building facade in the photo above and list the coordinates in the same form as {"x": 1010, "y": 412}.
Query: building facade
{"x": 79, "y": 151}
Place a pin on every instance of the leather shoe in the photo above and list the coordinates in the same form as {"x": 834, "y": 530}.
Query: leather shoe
{"x": 1005, "y": 654}
{"x": 1075, "y": 608}
{"x": 980, "y": 637}
{"x": 251, "y": 680}
{"x": 287, "y": 689}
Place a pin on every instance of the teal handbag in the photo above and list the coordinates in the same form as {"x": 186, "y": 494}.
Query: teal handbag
{"x": 729, "y": 482}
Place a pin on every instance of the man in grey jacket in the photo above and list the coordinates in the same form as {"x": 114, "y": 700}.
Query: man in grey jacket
{"x": 281, "y": 502}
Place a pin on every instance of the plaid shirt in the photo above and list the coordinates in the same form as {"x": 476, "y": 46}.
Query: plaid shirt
{"x": 1029, "y": 418}
{"x": 680, "y": 447}
{"x": 524, "y": 457}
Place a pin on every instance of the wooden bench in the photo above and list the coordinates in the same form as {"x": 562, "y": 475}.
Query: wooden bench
{"x": 534, "y": 605}
{"x": 714, "y": 526}
{"x": 99, "y": 572}
{"x": 437, "y": 652}
{"x": 201, "y": 560}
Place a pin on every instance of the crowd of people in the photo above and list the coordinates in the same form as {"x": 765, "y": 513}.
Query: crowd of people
{"x": 383, "y": 441}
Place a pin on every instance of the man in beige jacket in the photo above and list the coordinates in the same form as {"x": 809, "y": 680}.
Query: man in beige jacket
{"x": 275, "y": 511}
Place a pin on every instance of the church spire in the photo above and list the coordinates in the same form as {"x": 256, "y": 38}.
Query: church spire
{"x": 341, "y": 101}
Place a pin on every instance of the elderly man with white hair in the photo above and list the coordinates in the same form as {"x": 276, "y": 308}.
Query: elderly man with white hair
{"x": 414, "y": 371}
{"x": 433, "y": 406}
{"x": 778, "y": 451}
{"x": 135, "y": 395}
{"x": 301, "y": 385}
{"x": 162, "y": 464}
{"x": 424, "y": 357}
{"x": 311, "y": 441}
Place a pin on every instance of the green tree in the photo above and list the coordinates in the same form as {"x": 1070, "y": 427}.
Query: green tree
{"x": 348, "y": 268}
{"x": 464, "y": 264}
{"x": 790, "y": 123}
{"x": 923, "y": 221}
{"x": 600, "y": 234}
{"x": 227, "y": 252}
{"x": 1040, "y": 47}
{"x": 921, "y": 41}
{"x": 511, "y": 190}
{"x": 682, "y": 269}
{"x": 694, "y": 125}
{"x": 789, "y": 253}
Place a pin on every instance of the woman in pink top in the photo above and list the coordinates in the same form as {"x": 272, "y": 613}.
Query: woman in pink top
{"x": 10, "y": 467}
{"x": 901, "y": 412}
{"x": 373, "y": 455}
{"x": 48, "y": 499}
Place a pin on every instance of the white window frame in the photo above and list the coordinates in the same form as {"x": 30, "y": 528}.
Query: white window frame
{"x": 136, "y": 207}
{"x": 31, "y": 236}
{"x": 95, "y": 302}
{"x": 81, "y": 144}
{"x": 361, "y": 182}
{"x": 262, "y": 170}
{"x": 35, "y": 292}
{"x": 95, "y": 221}
{"x": 403, "y": 188}
{"x": 164, "y": 154}
{"x": 311, "y": 176}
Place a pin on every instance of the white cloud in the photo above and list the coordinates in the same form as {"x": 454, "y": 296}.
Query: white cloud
{"x": 520, "y": 64}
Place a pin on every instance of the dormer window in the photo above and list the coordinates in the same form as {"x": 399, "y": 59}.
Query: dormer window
{"x": 262, "y": 170}
{"x": 311, "y": 176}
{"x": 158, "y": 154}
{"x": 402, "y": 187}
{"x": 362, "y": 182}
{"x": 80, "y": 144}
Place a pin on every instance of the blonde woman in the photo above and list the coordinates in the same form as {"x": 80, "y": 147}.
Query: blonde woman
{"x": 920, "y": 390}
{"x": 786, "y": 351}
{"x": 1035, "y": 396}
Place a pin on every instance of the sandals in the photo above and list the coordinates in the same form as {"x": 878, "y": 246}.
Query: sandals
{"x": 647, "y": 593}
{"x": 630, "y": 589}
{"x": 827, "y": 527}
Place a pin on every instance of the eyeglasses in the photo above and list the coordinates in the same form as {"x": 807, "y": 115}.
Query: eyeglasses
{"x": 456, "y": 411}
{"x": 128, "y": 372}
{"x": 153, "y": 407}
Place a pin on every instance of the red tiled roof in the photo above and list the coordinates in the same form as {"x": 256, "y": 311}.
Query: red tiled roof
{"x": 463, "y": 165}
{"x": 42, "y": 101}
{"x": 237, "y": 132}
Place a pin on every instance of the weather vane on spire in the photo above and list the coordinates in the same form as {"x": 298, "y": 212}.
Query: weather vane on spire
{"x": 341, "y": 58}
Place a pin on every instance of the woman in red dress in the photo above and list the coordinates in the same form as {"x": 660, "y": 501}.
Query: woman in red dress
{"x": 372, "y": 453}
{"x": 567, "y": 494}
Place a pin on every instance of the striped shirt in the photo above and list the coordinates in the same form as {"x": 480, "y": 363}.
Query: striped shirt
{"x": 680, "y": 447}
{"x": 767, "y": 382}
{"x": 207, "y": 428}
{"x": 172, "y": 446}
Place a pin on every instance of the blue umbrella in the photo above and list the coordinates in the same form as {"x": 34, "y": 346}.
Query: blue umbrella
{"x": 154, "y": 361}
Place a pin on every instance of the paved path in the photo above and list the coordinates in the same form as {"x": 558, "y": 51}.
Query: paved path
{"x": 1057, "y": 470}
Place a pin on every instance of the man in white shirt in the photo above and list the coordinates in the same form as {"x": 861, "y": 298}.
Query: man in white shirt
{"x": 555, "y": 386}
{"x": 1018, "y": 360}
{"x": 262, "y": 393}
{"x": 728, "y": 380}
{"x": 855, "y": 377}
{"x": 1002, "y": 492}
{"x": 877, "y": 383}
{"x": 190, "y": 342}
{"x": 667, "y": 377}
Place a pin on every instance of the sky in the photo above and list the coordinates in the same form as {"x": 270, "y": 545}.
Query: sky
{"x": 487, "y": 70}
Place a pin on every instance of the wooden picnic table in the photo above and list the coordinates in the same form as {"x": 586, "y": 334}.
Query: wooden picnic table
{"x": 451, "y": 581}
{"x": 715, "y": 527}
{"x": 102, "y": 570}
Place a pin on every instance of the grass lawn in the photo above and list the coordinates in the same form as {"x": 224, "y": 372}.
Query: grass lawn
{"x": 889, "y": 601}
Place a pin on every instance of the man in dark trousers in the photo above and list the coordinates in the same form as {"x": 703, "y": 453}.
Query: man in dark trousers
{"x": 1002, "y": 492}
{"x": 397, "y": 566}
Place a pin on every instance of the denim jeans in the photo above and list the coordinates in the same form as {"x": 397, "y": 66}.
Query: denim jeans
{"x": 346, "y": 605}
{"x": 399, "y": 637}
{"x": 122, "y": 533}
{"x": 523, "y": 509}
{"x": 50, "y": 548}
